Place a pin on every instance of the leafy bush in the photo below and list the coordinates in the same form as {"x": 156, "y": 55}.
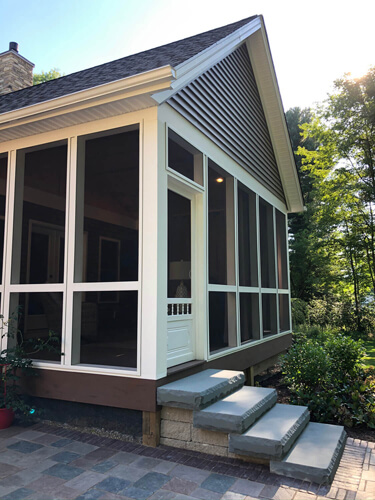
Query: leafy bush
{"x": 16, "y": 363}
{"x": 345, "y": 355}
{"x": 308, "y": 331}
{"x": 324, "y": 312}
{"x": 331, "y": 312}
{"x": 306, "y": 365}
{"x": 325, "y": 374}
{"x": 299, "y": 312}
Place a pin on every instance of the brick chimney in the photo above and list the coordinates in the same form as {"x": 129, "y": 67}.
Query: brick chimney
{"x": 16, "y": 72}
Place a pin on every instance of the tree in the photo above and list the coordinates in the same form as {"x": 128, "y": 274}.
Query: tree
{"x": 45, "y": 76}
{"x": 306, "y": 263}
{"x": 342, "y": 175}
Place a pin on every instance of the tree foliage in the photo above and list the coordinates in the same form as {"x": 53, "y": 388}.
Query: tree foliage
{"x": 45, "y": 76}
{"x": 308, "y": 265}
{"x": 334, "y": 243}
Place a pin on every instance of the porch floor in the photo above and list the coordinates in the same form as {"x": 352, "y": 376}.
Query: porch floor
{"x": 44, "y": 462}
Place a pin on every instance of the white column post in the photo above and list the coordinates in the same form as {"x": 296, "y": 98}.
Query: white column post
{"x": 259, "y": 257}
{"x": 71, "y": 347}
{"x": 153, "y": 294}
{"x": 231, "y": 261}
{"x": 8, "y": 238}
{"x": 200, "y": 274}
{"x": 18, "y": 174}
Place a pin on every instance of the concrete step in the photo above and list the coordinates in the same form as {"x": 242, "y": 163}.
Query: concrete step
{"x": 200, "y": 390}
{"x": 272, "y": 436}
{"x": 235, "y": 413}
{"x": 315, "y": 455}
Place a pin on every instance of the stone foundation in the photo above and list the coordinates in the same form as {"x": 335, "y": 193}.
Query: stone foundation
{"x": 177, "y": 430}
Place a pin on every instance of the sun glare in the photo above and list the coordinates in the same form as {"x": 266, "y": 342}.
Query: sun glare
{"x": 358, "y": 69}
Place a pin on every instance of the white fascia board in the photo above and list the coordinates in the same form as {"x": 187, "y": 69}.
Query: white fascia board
{"x": 140, "y": 83}
{"x": 201, "y": 62}
{"x": 265, "y": 76}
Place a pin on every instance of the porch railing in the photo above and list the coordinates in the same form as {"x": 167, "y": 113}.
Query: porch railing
{"x": 179, "y": 308}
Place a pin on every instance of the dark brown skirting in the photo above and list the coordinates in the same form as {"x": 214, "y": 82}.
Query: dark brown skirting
{"x": 133, "y": 393}
{"x": 106, "y": 390}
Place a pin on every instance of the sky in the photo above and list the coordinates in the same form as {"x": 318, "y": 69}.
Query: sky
{"x": 312, "y": 42}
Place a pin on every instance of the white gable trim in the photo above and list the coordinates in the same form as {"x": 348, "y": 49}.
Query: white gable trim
{"x": 259, "y": 52}
{"x": 198, "y": 64}
{"x": 264, "y": 71}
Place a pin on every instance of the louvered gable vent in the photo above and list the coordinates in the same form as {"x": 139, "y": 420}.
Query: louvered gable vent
{"x": 224, "y": 103}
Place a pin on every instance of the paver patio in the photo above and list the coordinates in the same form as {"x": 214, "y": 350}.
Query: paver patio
{"x": 44, "y": 462}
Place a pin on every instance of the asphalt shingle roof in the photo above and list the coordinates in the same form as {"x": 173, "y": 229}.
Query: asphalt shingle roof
{"x": 173, "y": 54}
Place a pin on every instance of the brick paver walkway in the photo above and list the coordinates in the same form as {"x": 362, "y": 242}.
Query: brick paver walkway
{"x": 45, "y": 463}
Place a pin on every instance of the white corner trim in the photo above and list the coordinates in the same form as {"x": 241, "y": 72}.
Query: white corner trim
{"x": 142, "y": 82}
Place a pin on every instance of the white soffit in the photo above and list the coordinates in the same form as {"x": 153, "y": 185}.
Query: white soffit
{"x": 68, "y": 119}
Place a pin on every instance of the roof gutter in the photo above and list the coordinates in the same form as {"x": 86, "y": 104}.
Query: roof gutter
{"x": 150, "y": 81}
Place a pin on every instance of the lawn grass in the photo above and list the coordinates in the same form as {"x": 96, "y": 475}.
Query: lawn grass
{"x": 369, "y": 359}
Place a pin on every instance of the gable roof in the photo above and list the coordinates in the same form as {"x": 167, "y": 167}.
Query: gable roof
{"x": 149, "y": 78}
{"x": 172, "y": 54}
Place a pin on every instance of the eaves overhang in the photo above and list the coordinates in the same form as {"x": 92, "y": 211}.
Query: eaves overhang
{"x": 125, "y": 95}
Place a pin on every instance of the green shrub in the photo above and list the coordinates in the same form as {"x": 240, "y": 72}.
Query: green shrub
{"x": 299, "y": 312}
{"x": 306, "y": 365}
{"x": 345, "y": 355}
{"x": 335, "y": 312}
{"x": 325, "y": 374}
{"x": 308, "y": 331}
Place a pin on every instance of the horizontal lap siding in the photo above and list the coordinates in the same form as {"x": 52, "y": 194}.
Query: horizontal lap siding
{"x": 224, "y": 103}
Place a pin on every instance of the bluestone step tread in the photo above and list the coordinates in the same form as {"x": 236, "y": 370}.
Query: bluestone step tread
{"x": 273, "y": 434}
{"x": 236, "y": 412}
{"x": 315, "y": 455}
{"x": 201, "y": 389}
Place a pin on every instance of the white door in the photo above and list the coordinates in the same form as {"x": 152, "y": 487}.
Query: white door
{"x": 180, "y": 311}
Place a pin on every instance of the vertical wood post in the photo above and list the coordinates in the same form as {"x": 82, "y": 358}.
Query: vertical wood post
{"x": 151, "y": 428}
{"x": 249, "y": 374}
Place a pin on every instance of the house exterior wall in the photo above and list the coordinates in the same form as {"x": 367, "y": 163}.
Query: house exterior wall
{"x": 239, "y": 354}
{"x": 149, "y": 213}
{"x": 115, "y": 386}
{"x": 135, "y": 392}
{"x": 225, "y": 105}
